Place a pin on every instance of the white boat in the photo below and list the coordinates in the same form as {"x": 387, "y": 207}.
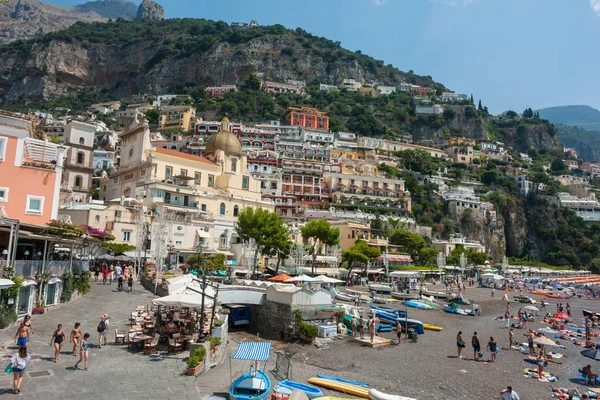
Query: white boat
{"x": 381, "y": 289}
{"x": 345, "y": 297}
{"x": 377, "y": 395}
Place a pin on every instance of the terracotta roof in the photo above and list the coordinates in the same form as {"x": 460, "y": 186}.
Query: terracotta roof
{"x": 174, "y": 153}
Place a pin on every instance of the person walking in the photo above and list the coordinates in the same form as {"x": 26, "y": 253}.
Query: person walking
{"x": 476, "y": 346}
{"x": 353, "y": 326}
{"x": 130, "y": 283}
{"x": 493, "y": 348}
{"x": 568, "y": 310}
{"x": 58, "y": 338}
{"x": 509, "y": 394}
{"x": 22, "y": 335}
{"x": 120, "y": 283}
{"x": 511, "y": 338}
{"x": 399, "y": 331}
{"x": 530, "y": 337}
{"x": 96, "y": 273}
{"x": 104, "y": 275}
{"x": 507, "y": 319}
{"x": 83, "y": 352}
{"x": 361, "y": 327}
{"x": 75, "y": 337}
{"x": 19, "y": 363}
{"x": 460, "y": 343}
{"x": 103, "y": 328}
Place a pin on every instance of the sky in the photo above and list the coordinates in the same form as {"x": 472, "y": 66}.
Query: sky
{"x": 511, "y": 54}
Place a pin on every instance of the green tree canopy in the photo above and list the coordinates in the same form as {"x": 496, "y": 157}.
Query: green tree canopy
{"x": 118, "y": 248}
{"x": 473, "y": 257}
{"x": 360, "y": 254}
{"x": 413, "y": 243}
{"x": 152, "y": 116}
{"x": 214, "y": 262}
{"x": 322, "y": 234}
{"x": 417, "y": 161}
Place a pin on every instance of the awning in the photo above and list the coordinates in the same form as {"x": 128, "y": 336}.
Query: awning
{"x": 28, "y": 282}
{"x": 6, "y": 283}
{"x": 255, "y": 351}
{"x": 203, "y": 234}
{"x": 54, "y": 280}
{"x": 396, "y": 258}
{"x": 183, "y": 300}
{"x": 225, "y": 252}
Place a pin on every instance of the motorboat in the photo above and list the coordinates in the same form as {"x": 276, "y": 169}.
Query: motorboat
{"x": 251, "y": 386}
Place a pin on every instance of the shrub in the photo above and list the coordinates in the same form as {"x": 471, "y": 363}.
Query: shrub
{"x": 218, "y": 322}
{"x": 308, "y": 330}
{"x": 198, "y": 357}
{"x": 7, "y": 316}
{"x": 214, "y": 342}
{"x": 224, "y": 311}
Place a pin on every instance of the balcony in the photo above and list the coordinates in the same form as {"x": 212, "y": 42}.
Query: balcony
{"x": 39, "y": 154}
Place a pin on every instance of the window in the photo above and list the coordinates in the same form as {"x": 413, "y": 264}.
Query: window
{"x": 203, "y": 207}
{"x": 197, "y": 178}
{"x": 126, "y": 236}
{"x": 80, "y": 158}
{"x": 81, "y": 140}
{"x": 234, "y": 165}
{"x": 211, "y": 181}
{"x": 97, "y": 218}
{"x": 236, "y": 210}
{"x": 35, "y": 205}
{"x": 245, "y": 183}
{"x": 78, "y": 181}
{"x": 168, "y": 172}
{"x": 3, "y": 144}
{"x": 222, "y": 209}
{"x": 184, "y": 172}
{"x": 4, "y": 194}
{"x": 143, "y": 172}
{"x": 131, "y": 150}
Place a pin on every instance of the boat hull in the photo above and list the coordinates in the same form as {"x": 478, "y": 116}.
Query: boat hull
{"x": 247, "y": 387}
{"x": 310, "y": 391}
{"x": 335, "y": 378}
{"x": 341, "y": 387}
{"x": 377, "y": 395}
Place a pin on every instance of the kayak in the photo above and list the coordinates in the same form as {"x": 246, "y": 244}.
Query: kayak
{"x": 404, "y": 322}
{"x": 334, "y": 378}
{"x": 416, "y": 304}
{"x": 310, "y": 391}
{"x": 432, "y": 327}
{"x": 458, "y": 311}
{"x": 377, "y": 395}
{"x": 341, "y": 387}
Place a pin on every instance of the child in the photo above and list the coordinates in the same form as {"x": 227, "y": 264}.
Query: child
{"x": 493, "y": 348}
{"x": 84, "y": 352}
{"x": 130, "y": 283}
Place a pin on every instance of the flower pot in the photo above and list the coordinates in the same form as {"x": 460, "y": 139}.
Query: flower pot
{"x": 195, "y": 371}
{"x": 306, "y": 339}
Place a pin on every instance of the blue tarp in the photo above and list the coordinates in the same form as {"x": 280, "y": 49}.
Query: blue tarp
{"x": 255, "y": 351}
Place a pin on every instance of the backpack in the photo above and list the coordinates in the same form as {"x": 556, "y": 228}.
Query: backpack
{"x": 102, "y": 325}
{"x": 524, "y": 317}
{"x": 130, "y": 280}
{"x": 475, "y": 342}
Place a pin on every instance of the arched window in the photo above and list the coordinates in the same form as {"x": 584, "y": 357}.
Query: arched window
{"x": 236, "y": 210}
{"x": 78, "y": 181}
{"x": 222, "y": 209}
{"x": 234, "y": 165}
{"x": 81, "y": 140}
{"x": 80, "y": 158}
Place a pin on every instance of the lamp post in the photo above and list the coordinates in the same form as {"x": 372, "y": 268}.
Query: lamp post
{"x": 170, "y": 247}
{"x": 201, "y": 246}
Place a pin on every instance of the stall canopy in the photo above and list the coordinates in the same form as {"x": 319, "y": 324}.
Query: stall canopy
{"x": 302, "y": 278}
{"x": 183, "y": 300}
{"x": 6, "y": 283}
{"x": 326, "y": 279}
{"x": 491, "y": 276}
{"x": 255, "y": 351}
{"x": 280, "y": 278}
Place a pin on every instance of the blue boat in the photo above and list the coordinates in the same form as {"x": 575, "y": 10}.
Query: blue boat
{"x": 309, "y": 390}
{"x": 416, "y": 304}
{"x": 248, "y": 387}
{"x": 400, "y": 313}
{"x": 335, "y": 378}
{"x": 453, "y": 310}
{"x": 406, "y": 323}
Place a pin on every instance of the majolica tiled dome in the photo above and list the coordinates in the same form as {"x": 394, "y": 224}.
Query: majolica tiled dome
{"x": 224, "y": 140}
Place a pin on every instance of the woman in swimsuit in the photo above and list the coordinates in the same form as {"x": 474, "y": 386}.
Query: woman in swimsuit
{"x": 27, "y": 323}
{"x": 84, "y": 352}
{"x": 75, "y": 337}
{"x": 58, "y": 337}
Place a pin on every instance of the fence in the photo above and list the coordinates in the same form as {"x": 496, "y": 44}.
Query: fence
{"x": 283, "y": 367}
{"x": 31, "y": 268}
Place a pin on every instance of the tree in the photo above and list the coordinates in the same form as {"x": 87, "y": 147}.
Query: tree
{"x": 473, "y": 257}
{"x": 413, "y": 243}
{"x": 528, "y": 113}
{"x": 152, "y": 116}
{"x": 417, "y": 160}
{"x": 489, "y": 177}
{"x": 448, "y": 114}
{"x": 472, "y": 101}
{"x": 479, "y": 106}
{"x": 252, "y": 83}
{"x": 428, "y": 255}
{"x": 322, "y": 234}
{"x": 214, "y": 262}
{"x": 268, "y": 230}
{"x": 118, "y": 248}
{"x": 360, "y": 253}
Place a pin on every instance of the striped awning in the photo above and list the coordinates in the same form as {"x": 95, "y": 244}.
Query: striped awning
{"x": 255, "y": 351}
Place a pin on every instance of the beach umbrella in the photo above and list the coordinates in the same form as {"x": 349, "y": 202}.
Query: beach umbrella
{"x": 592, "y": 353}
{"x": 279, "y": 278}
{"x": 545, "y": 341}
{"x": 561, "y": 316}
{"x": 302, "y": 278}
{"x": 532, "y": 308}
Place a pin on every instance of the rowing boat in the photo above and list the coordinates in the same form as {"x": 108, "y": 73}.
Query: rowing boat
{"x": 432, "y": 327}
{"x": 341, "y": 387}
{"x": 310, "y": 391}
{"x": 377, "y": 395}
{"x": 335, "y": 378}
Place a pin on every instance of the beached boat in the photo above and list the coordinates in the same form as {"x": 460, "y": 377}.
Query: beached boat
{"x": 345, "y": 297}
{"x": 335, "y": 378}
{"x": 377, "y": 395}
{"x": 593, "y": 298}
{"x": 248, "y": 387}
{"x": 417, "y": 304}
{"x": 341, "y": 387}
{"x": 406, "y": 323}
{"x": 399, "y": 313}
{"x": 334, "y": 398}
{"x": 310, "y": 391}
{"x": 384, "y": 300}
{"x": 432, "y": 327}
{"x": 454, "y": 310}
{"x": 588, "y": 314}
{"x": 382, "y": 289}
{"x": 439, "y": 295}
{"x": 405, "y": 296}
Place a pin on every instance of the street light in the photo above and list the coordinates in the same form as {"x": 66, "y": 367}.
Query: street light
{"x": 170, "y": 247}
{"x": 201, "y": 246}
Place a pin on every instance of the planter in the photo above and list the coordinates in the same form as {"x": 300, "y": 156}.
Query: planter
{"x": 195, "y": 371}
{"x": 306, "y": 339}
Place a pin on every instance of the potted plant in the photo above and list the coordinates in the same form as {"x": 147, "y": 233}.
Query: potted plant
{"x": 214, "y": 344}
{"x": 195, "y": 363}
{"x": 218, "y": 322}
{"x": 308, "y": 332}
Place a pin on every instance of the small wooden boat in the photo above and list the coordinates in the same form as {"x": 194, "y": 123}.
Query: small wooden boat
{"x": 380, "y": 289}
{"x": 248, "y": 387}
{"x": 405, "y": 296}
{"x": 341, "y": 387}
{"x": 377, "y": 395}
{"x": 310, "y": 391}
{"x": 335, "y": 378}
{"x": 589, "y": 314}
{"x": 345, "y": 297}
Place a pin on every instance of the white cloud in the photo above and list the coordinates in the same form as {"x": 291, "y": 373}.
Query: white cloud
{"x": 380, "y": 2}
{"x": 595, "y": 4}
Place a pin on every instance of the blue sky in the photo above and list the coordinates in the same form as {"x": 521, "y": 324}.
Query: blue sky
{"x": 512, "y": 54}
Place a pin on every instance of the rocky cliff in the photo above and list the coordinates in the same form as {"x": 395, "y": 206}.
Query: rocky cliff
{"x": 464, "y": 123}
{"x": 150, "y": 11}
{"x": 527, "y": 136}
{"x": 110, "y": 8}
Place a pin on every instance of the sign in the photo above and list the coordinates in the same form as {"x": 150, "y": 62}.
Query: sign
{"x": 231, "y": 262}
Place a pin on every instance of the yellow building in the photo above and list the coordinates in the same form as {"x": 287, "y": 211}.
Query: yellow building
{"x": 351, "y": 231}
{"x": 180, "y": 118}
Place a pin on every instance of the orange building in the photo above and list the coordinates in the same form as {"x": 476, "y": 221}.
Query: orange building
{"x": 308, "y": 117}
{"x": 420, "y": 91}
{"x": 30, "y": 173}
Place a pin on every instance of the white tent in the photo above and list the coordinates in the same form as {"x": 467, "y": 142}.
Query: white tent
{"x": 491, "y": 276}
{"x": 302, "y": 278}
{"x": 326, "y": 279}
{"x": 183, "y": 300}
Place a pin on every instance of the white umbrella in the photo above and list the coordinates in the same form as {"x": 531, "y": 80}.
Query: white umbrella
{"x": 302, "y": 278}
{"x": 544, "y": 340}
{"x": 326, "y": 279}
{"x": 532, "y": 308}
{"x": 183, "y": 300}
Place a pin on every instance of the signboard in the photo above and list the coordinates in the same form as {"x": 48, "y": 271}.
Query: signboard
{"x": 231, "y": 262}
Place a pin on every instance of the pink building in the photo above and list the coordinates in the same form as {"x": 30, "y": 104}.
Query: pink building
{"x": 30, "y": 173}
{"x": 220, "y": 91}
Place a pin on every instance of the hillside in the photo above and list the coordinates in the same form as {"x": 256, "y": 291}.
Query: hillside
{"x": 587, "y": 143}
{"x": 22, "y": 19}
{"x": 584, "y": 117}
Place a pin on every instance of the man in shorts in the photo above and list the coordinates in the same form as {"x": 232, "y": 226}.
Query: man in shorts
{"x": 22, "y": 335}
{"x": 103, "y": 328}
{"x": 476, "y": 346}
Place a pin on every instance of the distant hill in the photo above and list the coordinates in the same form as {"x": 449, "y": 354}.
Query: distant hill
{"x": 584, "y": 117}
{"x": 587, "y": 143}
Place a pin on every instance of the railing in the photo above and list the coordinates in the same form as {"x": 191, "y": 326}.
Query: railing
{"x": 29, "y": 268}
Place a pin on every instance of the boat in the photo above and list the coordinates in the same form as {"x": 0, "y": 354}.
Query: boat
{"x": 439, "y": 295}
{"x": 310, "y": 391}
{"x": 341, "y": 387}
{"x": 593, "y": 298}
{"x": 522, "y": 299}
{"x": 248, "y": 387}
{"x": 406, "y": 323}
{"x": 345, "y": 297}
{"x": 377, "y": 395}
{"x": 405, "y": 296}
{"x": 399, "y": 313}
{"x": 381, "y": 289}
{"x": 333, "y": 398}
{"x": 587, "y": 314}
{"x": 335, "y": 378}
{"x": 384, "y": 300}
{"x": 431, "y": 303}
{"x": 432, "y": 327}
{"x": 454, "y": 310}
{"x": 416, "y": 304}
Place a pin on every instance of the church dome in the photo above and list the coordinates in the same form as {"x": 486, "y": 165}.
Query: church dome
{"x": 224, "y": 140}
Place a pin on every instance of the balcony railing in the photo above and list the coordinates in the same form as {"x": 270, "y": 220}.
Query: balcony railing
{"x": 29, "y": 268}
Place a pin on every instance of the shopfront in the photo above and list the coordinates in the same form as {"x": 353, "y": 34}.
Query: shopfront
{"x": 25, "y": 298}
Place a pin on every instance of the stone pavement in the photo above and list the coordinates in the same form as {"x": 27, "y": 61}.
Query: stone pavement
{"x": 114, "y": 372}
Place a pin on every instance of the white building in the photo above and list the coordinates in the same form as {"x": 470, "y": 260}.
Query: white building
{"x": 351, "y": 84}
{"x": 317, "y": 135}
{"x": 435, "y": 109}
{"x": 386, "y": 90}
{"x": 525, "y": 187}
{"x": 588, "y": 209}
{"x": 103, "y": 159}
{"x": 327, "y": 88}
{"x": 450, "y": 97}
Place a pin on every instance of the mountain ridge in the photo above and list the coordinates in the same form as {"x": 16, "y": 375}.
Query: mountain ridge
{"x": 582, "y": 116}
